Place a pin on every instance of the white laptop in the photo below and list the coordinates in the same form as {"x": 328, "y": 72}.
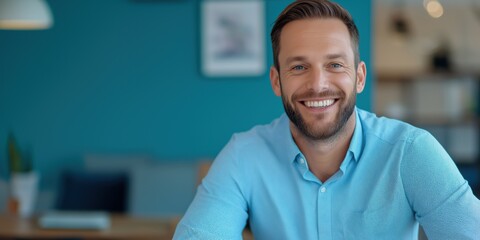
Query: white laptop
{"x": 75, "y": 220}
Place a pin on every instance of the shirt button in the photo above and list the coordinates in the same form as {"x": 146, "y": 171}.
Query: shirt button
{"x": 323, "y": 189}
{"x": 302, "y": 161}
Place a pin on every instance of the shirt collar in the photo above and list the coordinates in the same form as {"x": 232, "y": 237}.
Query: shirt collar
{"x": 356, "y": 144}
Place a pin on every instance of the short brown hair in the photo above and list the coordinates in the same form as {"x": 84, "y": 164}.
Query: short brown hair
{"x": 304, "y": 9}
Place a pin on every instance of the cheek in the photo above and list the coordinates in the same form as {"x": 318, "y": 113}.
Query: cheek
{"x": 348, "y": 88}
{"x": 347, "y": 82}
{"x": 291, "y": 90}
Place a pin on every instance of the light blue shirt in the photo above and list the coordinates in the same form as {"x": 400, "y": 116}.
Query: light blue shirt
{"x": 394, "y": 176}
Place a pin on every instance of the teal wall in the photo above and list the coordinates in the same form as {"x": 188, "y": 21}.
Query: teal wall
{"x": 123, "y": 77}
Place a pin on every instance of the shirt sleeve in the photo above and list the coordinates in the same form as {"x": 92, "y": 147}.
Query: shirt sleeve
{"x": 219, "y": 209}
{"x": 441, "y": 198}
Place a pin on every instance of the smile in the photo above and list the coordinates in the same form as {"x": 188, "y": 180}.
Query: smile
{"x": 319, "y": 104}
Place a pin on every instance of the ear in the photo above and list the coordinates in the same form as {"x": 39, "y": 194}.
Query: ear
{"x": 361, "y": 76}
{"x": 275, "y": 81}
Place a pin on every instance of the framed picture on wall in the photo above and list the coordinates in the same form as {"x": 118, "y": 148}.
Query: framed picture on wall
{"x": 233, "y": 38}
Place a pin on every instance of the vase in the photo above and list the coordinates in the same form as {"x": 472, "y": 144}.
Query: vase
{"x": 23, "y": 193}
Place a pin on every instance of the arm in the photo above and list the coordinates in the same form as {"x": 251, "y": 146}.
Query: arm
{"x": 219, "y": 209}
{"x": 442, "y": 200}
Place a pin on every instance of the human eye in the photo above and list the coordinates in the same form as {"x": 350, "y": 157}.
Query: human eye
{"x": 298, "y": 68}
{"x": 336, "y": 67}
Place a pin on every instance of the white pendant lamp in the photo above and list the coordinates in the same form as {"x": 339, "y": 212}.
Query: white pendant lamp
{"x": 25, "y": 15}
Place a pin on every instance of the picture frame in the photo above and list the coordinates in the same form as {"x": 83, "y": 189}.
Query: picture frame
{"x": 233, "y": 38}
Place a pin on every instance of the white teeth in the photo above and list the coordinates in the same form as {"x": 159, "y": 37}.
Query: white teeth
{"x": 316, "y": 104}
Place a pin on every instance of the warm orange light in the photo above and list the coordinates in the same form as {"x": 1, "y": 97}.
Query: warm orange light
{"x": 434, "y": 8}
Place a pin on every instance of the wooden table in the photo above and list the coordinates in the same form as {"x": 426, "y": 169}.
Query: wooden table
{"x": 122, "y": 227}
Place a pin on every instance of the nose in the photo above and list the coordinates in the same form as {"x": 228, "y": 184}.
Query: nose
{"x": 318, "y": 81}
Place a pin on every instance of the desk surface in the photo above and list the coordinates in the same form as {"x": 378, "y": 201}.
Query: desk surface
{"x": 122, "y": 227}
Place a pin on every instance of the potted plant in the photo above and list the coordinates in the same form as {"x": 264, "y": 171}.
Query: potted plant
{"x": 23, "y": 180}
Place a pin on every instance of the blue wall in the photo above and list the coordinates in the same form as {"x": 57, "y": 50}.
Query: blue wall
{"x": 123, "y": 77}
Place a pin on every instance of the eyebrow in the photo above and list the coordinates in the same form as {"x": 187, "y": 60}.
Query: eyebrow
{"x": 296, "y": 58}
{"x": 328, "y": 56}
{"x": 336, "y": 56}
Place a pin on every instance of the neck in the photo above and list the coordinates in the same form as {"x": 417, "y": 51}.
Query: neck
{"x": 325, "y": 156}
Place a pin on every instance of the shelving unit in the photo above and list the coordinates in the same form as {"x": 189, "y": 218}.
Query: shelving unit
{"x": 428, "y": 75}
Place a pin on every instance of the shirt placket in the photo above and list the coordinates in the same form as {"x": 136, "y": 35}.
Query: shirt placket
{"x": 324, "y": 198}
{"x": 324, "y": 210}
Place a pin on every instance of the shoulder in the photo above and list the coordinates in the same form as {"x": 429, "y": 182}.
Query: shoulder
{"x": 245, "y": 153}
{"x": 260, "y": 135}
{"x": 261, "y": 145}
{"x": 389, "y": 130}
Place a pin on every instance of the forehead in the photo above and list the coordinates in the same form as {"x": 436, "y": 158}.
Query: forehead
{"x": 320, "y": 36}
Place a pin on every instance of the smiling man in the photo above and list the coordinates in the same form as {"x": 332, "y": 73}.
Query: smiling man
{"x": 326, "y": 169}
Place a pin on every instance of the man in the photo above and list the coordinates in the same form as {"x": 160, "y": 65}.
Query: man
{"x": 328, "y": 170}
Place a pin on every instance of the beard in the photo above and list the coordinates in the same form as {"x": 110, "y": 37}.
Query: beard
{"x": 311, "y": 131}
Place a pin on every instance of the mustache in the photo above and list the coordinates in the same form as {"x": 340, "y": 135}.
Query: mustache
{"x": 313, "y": 94}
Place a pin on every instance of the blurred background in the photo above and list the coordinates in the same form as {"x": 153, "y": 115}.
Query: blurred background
{"x": 426, "y": 61}
{"x": 112, "y": 94}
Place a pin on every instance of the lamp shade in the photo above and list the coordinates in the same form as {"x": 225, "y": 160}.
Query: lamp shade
{"x": 25, "y": 14}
